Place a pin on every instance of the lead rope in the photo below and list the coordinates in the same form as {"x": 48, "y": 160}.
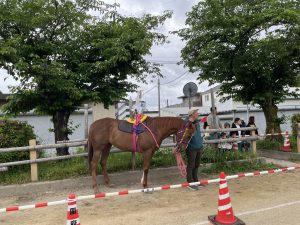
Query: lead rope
{"x": 180, "y": 164}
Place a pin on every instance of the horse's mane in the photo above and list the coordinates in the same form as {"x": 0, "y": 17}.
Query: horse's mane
{"x": 167, "y": 120}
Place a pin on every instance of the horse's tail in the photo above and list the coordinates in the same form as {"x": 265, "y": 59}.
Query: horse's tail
{"x": 90, "y": 153}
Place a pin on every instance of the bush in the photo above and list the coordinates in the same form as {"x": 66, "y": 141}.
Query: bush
{"x": 268, "y": 145}
{"x": 294, "y": 120}
{"x": 14, "y": 134}
{"x": 211, "y": 155}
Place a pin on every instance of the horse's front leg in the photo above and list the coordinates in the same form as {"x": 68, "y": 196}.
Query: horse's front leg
{"x": 147, "y": 156}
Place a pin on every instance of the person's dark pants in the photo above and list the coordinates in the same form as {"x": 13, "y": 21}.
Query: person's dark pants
{"x": 193, "y": 163}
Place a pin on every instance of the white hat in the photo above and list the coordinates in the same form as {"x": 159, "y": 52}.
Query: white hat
{"x": 191, "y": 112}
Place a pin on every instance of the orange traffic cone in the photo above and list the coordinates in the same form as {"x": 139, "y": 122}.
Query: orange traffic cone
{"x": 225, "y": 212}
{"x": 72, "y": 214}
{"x": 286, "y": 145}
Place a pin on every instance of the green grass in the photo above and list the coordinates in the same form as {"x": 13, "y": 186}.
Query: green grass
{"x": 275, "y": 145}
{"x": 239, "y": 167}
{"x": 221, "y": 161}
{"x": 77, "y": 167}
{"x": 268, "y": 145}
{"x": 293, "y": 141}
{"x": 212, "y": 156}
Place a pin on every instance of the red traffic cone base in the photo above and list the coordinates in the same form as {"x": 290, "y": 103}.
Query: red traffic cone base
{"x": 72, "y": 214}
{"x": 225, "y": 214}
{"x": 286, "y": 145}
{"x": 212, "y": 220}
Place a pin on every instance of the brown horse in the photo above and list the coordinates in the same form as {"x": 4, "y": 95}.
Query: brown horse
{"x": 104, "y": 133}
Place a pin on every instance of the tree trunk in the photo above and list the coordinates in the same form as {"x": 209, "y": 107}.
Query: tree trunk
{"x": 272, "y": 120}
{"x": 60, "y": 122}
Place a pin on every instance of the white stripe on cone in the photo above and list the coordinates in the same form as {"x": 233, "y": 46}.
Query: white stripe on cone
{"x": 222, "y": 197}
{"x": 224, "y": 207}
{"x": 223, "y": 185}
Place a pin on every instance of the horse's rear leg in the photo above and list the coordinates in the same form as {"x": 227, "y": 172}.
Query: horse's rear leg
{"x": 147, "y": 155}
{"x": 103, "y": 162}
{"x": 94, "y": 165}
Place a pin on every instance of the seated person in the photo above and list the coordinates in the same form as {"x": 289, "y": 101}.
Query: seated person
{"x": 224, "y": 146}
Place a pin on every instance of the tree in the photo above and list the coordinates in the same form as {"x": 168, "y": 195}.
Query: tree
{"x": 64, "y": 56}
{"x": 251, "y": 47}
{"x": 14, "y": 133}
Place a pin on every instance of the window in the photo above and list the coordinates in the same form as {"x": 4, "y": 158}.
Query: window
{"x": 206, "y": 98}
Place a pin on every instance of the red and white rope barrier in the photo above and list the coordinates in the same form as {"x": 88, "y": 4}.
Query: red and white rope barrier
{"x": 161, "y": 188}
{"x": 275, "y": 134}
{"x": 265, "y": 135}
{"x": 34, "y": 206}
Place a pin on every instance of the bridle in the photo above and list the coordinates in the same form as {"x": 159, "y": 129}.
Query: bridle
{"x": 180, "y": 142}
{"x": 181, "y": 139}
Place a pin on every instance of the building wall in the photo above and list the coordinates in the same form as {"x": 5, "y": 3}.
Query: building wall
{"x": 100, "y": 112}
{"x": 123, "y": 111}
{"x": 206, "y": 99}
{"x": 286, "y": 104}
{"x": 152, "y": 113}
{"x": 42, "y": 124}
{"x": 196, "y": 101}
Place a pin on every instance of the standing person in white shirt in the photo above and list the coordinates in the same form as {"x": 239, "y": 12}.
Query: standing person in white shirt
{"x": 237, "y": 124}
{"x": 210, "y": 120}
{"x": 214, "y": 125}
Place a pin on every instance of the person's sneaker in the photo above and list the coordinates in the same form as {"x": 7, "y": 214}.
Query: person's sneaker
{"x": 193, "y": 187}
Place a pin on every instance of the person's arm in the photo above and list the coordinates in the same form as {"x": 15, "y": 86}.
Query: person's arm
{"x": 209, "y": 121}
{"x": 247, "y": 132}
{"x": 256, "y": 131}
{"x": 219, "y": 121}
{"x": 232, "y": 132}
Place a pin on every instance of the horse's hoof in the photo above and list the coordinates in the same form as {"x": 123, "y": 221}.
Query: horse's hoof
{"x": 110, "y": 185}
{"x": 148, "y": 190}
{"x": 97, "y": 192}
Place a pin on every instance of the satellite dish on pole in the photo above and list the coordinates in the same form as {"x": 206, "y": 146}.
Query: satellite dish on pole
{"x": 189, "y": 90}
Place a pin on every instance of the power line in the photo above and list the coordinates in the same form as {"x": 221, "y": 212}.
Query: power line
{"x": 165, "y": 62}
{"x": 175, "y": 78}
{"x": 181, "y": 79}
{"x": 150, "y": 89}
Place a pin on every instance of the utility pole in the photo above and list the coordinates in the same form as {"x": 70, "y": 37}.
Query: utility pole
{"x": 247, "y": 119}
{"x": 158, "y": 86}
{"x": 213, "y": 107}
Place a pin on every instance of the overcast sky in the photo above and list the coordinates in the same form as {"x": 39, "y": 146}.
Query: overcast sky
{"x": 175, "y": 76}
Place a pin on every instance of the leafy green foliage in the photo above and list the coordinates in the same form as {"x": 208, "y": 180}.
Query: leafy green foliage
{"x": 212, "y": 155}
{"x": 251, "y": 47}
{"x": 14, "y": 134}
{"x": 294, "y": 120}
{"x": 269, "y": 145}
{"x": 63, "y": 56}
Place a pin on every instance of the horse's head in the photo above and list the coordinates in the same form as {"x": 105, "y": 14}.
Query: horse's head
{"x": 184, "y": 135}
